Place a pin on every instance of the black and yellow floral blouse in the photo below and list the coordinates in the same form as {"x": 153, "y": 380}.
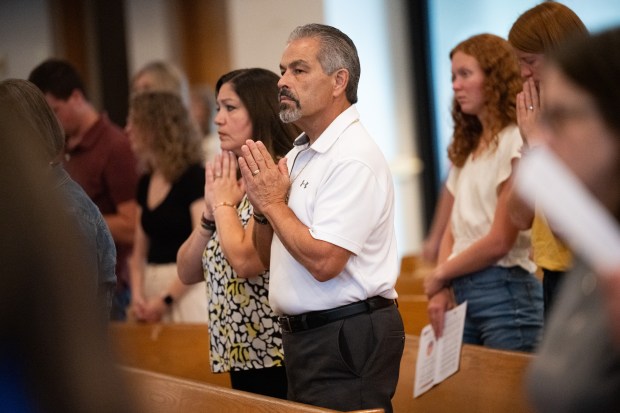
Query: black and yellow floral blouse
{"x": 244, "y": 331}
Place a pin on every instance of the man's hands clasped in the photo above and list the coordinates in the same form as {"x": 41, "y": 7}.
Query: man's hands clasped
{"x": 267, "y": 183}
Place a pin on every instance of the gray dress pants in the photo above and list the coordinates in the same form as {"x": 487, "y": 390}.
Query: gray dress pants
{"x": 350, "y": 364}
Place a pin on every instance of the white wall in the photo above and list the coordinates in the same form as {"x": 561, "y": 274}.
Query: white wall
{"x": 259, "y": 29}
{"x": 151, "y": 34}
{"x": 385, "y": 102}
{"x": 25, "y": 36}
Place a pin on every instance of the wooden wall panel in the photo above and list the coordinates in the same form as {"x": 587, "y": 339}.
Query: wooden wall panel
{"x": 69, "y": 25}
{"x": 204, "y": 37}
{"x": 91, "y": 36}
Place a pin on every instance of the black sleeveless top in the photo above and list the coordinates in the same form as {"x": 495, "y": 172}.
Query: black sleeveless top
{"x": 170, "y": 223}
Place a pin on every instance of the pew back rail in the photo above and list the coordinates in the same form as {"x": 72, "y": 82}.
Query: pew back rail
{"x": 166, "y": 394}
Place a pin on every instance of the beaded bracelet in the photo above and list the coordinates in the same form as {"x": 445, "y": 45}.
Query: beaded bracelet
{"x": 228, "y": 204}
{"x": 207, "y": 223}
{"x": 260, "y": 219}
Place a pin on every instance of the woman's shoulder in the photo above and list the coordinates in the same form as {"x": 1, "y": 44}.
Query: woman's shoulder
{"x": 509, "y": 138}
{"x": 511, "y": 132}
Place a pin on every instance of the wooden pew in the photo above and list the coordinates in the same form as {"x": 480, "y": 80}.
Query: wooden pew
{"x": 488, "y": 381}
{"x": 408, "y": 264}
{"x": 409, "y": 285}
{"x": 158, "y": 393}
{"x": 180, "y": 350}
{"x": 412, "y": 308}
{"x": 411, "y": 277}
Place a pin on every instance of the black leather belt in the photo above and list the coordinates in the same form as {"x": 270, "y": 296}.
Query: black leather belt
{"x": 314, "y": 319}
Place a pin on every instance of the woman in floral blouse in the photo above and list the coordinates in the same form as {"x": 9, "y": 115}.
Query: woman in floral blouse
{"x": 245, "y": 336}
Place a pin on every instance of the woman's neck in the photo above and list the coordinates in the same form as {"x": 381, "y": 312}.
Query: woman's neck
{"x": 486, "y": 135}
{"x": 483, "y": 117}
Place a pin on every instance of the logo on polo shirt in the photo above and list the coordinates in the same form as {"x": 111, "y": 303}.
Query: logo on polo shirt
{"x": 304, "y": 184}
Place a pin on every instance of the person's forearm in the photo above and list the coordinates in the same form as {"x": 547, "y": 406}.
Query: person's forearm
{"x": 262, "y": 235}
{"x": 487, "y": 250}
{"x": 322, "y": 259}
{"x": 520, "y": 213}
{"x": 136, "y": 271}
{"x": 482, "y": 254}
{"x": 441, "y": 220}
{"x": 236, "y": 246}
{"x": 267, "y": 184}
{"x": 121, "y": 228}
{"x": 122, "y": 224}
{"x": 189, "y": 256}
{"x": 445, "y": 247}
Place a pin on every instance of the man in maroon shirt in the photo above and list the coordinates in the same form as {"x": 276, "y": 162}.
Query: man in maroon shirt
{"x": 98, "y": 156}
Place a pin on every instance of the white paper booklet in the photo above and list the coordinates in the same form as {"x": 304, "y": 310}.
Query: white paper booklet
{"x": 571, "y": 210}
{"x": 438, "y": 359}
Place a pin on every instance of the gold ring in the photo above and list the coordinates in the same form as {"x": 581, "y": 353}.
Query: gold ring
{"x": 256, "y": 172}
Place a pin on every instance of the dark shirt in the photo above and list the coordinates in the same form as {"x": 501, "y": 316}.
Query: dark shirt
{"x": 169, "y": 224}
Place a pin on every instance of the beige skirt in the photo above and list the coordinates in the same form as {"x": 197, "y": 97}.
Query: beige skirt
{"x": 191, "y": 307}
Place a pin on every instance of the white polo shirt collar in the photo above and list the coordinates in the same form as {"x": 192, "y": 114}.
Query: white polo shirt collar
{"x": 330, "y": 135}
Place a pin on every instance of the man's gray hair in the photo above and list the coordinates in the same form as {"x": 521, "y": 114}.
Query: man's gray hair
{"x": 337, "y": 51}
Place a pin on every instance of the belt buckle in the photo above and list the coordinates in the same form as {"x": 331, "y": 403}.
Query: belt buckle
{"x": 285, "y": 324}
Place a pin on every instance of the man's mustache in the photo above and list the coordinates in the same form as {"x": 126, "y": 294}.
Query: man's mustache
{"x": 288, "y": 94}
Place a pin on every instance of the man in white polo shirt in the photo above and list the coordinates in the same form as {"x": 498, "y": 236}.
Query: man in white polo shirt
{"x": 333, "y": 259}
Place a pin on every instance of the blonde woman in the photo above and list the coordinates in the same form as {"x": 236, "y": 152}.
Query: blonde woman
{"x": 170, "y": 203}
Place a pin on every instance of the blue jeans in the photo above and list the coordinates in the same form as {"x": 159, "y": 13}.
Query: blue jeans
{"x": 504, "y": 308}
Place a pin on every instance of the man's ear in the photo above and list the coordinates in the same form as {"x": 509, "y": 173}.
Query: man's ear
{"x": 76, "y": 95}
{"x": 341, "y": 80}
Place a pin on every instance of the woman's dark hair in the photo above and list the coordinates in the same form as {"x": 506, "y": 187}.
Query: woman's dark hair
{"x": 258, "y": 90}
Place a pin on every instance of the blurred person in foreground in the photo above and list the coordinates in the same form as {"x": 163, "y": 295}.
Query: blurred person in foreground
{"x": 54, "y": 351}
{"x": 536, "y": 33}
{"x": 577, "y": 368}
{"x": 98, "y": 251}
